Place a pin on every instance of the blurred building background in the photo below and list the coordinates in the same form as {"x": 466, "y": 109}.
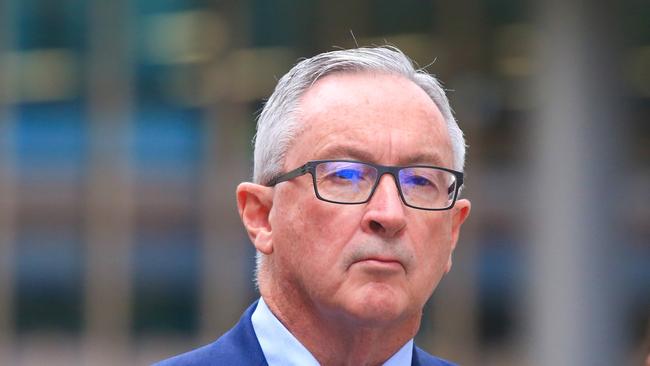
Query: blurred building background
{"x": 126, "y": 125}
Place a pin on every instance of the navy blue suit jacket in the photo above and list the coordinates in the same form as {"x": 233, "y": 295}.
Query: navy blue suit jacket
{"x": 239, "y": 346}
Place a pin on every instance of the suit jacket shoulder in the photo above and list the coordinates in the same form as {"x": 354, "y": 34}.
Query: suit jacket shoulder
{"x": 239, "y": 346}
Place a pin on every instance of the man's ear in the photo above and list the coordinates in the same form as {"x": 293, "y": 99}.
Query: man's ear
{"x": 254, "y": 203}
{"x": 459, "y": 214}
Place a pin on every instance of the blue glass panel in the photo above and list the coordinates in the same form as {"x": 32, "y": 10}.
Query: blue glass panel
{"x": 411, "y": 16}
{"x": 636, "y": 271}
{"x": 158, "y": 6}
{"x": 500, "y": 268}
{"x": 500, "y": 277}
{"x": 151, "y": 84}
{"x": 166, "y": 271}
{"x": 167, "y": 140}
{"x": 48, "y": 259}
{"x": 50, "y": 24}
{"x": 167, "y": 257}
{"x": 50, "y": 138}
{"x": 283, "y": 23}
{"x": 48, "y": 279}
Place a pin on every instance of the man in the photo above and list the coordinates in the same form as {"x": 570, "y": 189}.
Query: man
{"x": 354, "y": 213}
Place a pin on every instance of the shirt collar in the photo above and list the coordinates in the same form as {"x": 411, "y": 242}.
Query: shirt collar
{"x": 403, "y": 357}
{"x": 281, "y": 348}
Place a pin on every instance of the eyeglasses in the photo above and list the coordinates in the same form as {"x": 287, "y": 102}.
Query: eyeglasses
{"x": 353, "y": 182}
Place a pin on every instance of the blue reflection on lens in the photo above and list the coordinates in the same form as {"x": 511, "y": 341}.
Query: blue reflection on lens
{"x": 349, "y": 174}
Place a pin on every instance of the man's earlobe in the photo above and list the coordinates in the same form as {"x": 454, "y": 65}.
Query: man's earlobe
{"x": 254, "y": 203}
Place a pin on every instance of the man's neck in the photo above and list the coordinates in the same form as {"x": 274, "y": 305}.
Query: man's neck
{"x": 335, "y": 339}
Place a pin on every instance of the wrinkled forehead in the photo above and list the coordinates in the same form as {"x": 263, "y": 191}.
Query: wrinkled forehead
{"x": 358, "y": 112}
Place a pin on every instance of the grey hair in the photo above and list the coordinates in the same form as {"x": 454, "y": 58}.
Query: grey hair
{"x": 278, "y": 124}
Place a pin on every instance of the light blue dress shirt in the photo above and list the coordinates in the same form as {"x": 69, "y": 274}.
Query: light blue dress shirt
{"x": 281, "y": 348}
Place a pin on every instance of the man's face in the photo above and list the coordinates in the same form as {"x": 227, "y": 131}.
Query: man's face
{"x": 374, "y": 262}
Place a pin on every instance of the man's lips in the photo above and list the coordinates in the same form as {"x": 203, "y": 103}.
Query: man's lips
{"x": 381, "y": 262}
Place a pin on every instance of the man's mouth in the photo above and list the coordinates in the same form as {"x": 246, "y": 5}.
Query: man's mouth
{"x": 381, "y": 263}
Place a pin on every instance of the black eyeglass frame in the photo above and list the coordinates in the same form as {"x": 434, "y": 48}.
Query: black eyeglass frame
{"x": 310, "y": 167}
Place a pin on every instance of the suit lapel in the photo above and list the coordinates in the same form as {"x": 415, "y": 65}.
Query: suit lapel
{"x": 240, "y": 345}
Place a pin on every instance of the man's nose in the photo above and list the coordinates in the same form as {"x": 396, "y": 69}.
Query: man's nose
{"x": 385, "y": 212}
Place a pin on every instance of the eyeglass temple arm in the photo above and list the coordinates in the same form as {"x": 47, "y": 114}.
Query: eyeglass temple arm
{"x": 458, "y": 183}
{"x": 302, "y": 170}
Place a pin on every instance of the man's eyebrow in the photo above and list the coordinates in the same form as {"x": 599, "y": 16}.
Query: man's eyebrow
{"x": 426, "y": 158}
{"x": 352, "y": 152}
{"x": 345, "y": 151}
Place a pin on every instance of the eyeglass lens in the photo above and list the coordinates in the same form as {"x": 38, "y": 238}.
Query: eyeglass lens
{"x": 353, "y": 182}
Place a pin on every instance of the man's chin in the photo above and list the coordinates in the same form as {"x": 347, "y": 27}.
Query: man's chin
{"x": 378, "y": 304}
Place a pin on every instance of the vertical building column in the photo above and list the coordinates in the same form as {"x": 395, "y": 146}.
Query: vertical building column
{"x": 455, "y": 302}
{"x": 224, "y": 281}
{"x": 7, "y": 192}
{"x": 109, "y": 199}
{"x": 223, "y": 278}
{"x": 576, "y": 183}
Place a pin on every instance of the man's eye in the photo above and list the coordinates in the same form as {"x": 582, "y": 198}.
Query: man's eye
{"x": 418, "y": 181}
{"x": 348, "y": 174}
